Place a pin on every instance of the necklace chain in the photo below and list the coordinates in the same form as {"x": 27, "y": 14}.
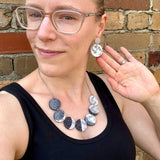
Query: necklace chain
{"x": 45, "y": 83}
{"x": 69, "y": 122}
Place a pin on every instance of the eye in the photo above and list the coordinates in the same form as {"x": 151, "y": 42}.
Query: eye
{"x": 68, "y": 18}
{"x": 33, "y": 14}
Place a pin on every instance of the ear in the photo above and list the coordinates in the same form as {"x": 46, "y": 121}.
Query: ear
{"x": 102, "y": 25}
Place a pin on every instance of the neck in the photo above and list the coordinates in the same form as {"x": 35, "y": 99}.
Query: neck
{"x": 73, "y": 86}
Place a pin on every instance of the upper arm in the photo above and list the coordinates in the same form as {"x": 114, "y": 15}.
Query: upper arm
{"x": 141, "y": 127}
{"x": 12, "y": 128}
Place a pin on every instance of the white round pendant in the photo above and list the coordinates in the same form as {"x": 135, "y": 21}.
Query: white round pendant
{"x": 96, "y": 50}
{"x": 90, "y": 119}
{"x": 93, "y": 100}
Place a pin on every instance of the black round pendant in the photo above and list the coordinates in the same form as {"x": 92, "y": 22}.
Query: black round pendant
{"x": 81, "y": 125}
{"x": 59, "y": 116}
{"x": 69, "y": 123}
{"x": 54, "y": 104}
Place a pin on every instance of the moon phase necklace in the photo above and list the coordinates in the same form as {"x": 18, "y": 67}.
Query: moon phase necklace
{"x": 69, "y": 123}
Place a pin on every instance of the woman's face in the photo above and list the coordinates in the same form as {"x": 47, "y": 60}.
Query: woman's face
{"x": 58, "y": 53}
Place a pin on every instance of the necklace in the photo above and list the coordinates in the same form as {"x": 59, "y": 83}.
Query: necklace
{"x": 69, "y": 123}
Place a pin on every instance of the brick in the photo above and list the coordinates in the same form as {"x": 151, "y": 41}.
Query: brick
{"x": 115, "y": 20}
{"x": 156, "y": 21}
{"x": 138, "y": 149}
{"x": 4, "y": 83}
{"x": 5, "y": 66}
{"x": 132, "y": 41}
{"x": 156, "y": 5}
{"x": 157, "y": 75}
{"x": 156, "y": 41}
{"x": 14, "y": 43}
{"x": 13, "y": 1}
{"x": 5, "y": 18}
{"x": 92, "y": 65}
{"x": 154, "y": 58}
{"x": 147, "y": 157}
{"x": 138, "y": 21}
{"x": 139, "y": 156}
{"x": 140, "y": 56}
{"x": 24, "y": 65}
{"x": 128, "y": 4}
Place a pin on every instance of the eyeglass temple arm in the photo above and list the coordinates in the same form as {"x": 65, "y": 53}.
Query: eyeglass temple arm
{"x": 92, "y": 14}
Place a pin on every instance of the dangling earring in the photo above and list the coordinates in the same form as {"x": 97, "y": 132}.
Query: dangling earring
{"x": 96, "y": 49}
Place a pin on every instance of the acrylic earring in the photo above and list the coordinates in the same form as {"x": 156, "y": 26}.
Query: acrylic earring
{"x": 96, "y": 49}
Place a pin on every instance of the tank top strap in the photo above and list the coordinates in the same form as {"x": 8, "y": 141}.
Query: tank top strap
{"x": 103, "y": 92}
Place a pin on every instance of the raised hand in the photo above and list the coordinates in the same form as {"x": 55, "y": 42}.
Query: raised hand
{"x": 129, "y": 78}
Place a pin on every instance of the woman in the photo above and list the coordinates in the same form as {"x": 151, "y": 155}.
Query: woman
{"x": 45, "y": 115}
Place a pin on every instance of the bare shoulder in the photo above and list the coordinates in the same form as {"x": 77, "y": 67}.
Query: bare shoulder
{"x": 118, "y": 98}
{"x": 14, "y": 130}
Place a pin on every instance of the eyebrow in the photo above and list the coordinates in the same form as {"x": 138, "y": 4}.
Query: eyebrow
{"x": 64, "y": 7}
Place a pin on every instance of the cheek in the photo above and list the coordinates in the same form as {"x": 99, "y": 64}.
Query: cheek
{"x": 30, "y": 36}
{"x": 88, "y": 35}
{"x": 83, "y": 42}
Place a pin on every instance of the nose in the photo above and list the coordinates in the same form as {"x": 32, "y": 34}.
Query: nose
{"x": 46, "y": 30}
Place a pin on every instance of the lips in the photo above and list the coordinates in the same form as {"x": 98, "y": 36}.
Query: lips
{"x": 48, "y": 53}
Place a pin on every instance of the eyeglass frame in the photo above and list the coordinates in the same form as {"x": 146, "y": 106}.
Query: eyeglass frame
{"x": 44, "y": 14}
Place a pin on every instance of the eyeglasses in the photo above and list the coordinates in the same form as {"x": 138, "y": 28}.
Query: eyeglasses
{"x": 65, "y": 21}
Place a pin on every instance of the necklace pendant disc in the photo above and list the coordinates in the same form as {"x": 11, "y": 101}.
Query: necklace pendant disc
{"x": 69, "y": 123}
{"x": 90, "y": 119}
{"x": 81, "y": 125}
{"x": 59, "y": 116}
{"x": 93, "y": 100}
{"x": 54, "y": 104}
{"x": 93, "y": 109}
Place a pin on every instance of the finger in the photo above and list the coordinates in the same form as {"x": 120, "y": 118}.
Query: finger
{"x": 114, "y": 54}
{"x": 105, "y": 67}
{"x": 110, "y": 61}
{"x": 129, "y": 57}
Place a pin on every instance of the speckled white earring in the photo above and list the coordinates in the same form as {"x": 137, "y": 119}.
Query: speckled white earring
{"x": 96, "y": 49}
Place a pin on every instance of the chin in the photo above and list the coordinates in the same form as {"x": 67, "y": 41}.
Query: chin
{"x": 52, "y": 71}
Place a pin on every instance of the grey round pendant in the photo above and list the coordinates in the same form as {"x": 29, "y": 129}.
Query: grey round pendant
{"x": 69, "y": 123}
{"x": 90, "y": 119}
{"x": 93, "y": 100}
{"x": 96, "y": 50}
{"x": 93, "y": 109}
{"x": 59, "y": 116}
{"x": 54, "y": 104}
{"x": 81, "y": 125}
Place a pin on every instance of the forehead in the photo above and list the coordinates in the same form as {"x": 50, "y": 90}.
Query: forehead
{"x": 49, "y": 5}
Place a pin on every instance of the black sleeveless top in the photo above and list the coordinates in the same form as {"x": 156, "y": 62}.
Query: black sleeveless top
{"x": 47, "y": 142}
